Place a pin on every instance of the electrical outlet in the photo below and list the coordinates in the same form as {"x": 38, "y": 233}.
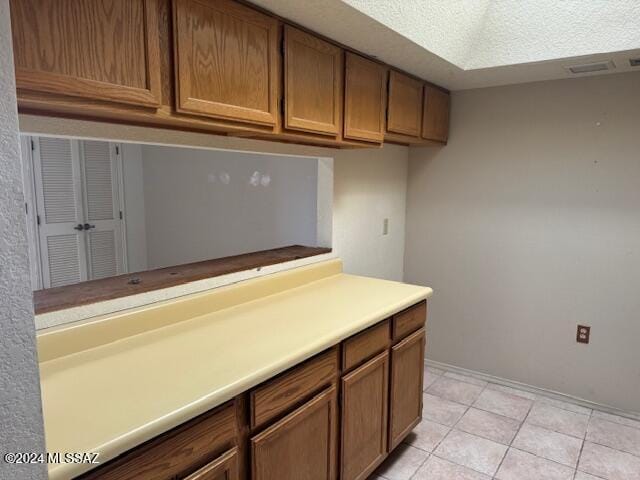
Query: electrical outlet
{"x": 385, "y": 226}
{"x": 583, "y": 334}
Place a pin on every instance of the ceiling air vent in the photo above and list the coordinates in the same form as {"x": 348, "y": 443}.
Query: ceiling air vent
{"x": 634, "y": 62}
{"x": 591, "y": 67}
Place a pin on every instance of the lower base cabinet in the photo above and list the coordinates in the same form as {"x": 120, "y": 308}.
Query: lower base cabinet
{"x": 407, "y": 366}
{"x": 364, "y": 418}
{"x": 335, "y": 416}
{"x": 301, "y": 446}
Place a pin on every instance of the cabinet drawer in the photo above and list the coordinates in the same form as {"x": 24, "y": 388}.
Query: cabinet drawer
{"x": 360, "y": 348}
{"x": 409, "y": 321}
{"x": 177, "y": 453}
{"x": 225, "y": 467}
{"x": 293, "y": 387}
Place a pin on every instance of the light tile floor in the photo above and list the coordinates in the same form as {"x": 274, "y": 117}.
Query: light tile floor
{"x": 474, "y": 430}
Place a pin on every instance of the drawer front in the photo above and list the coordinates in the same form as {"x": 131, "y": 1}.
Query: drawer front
{"x": 360, "y": 348}
{"x": 177, "y": 453}
{"x": 407, "y": 322}
{"x": 293, "y": 387}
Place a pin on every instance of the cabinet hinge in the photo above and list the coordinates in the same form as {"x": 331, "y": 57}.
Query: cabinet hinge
{"x": 26, "y": 208}
{"x": 120, "y": 214}
{"x": 38, "y": 219}
{"x": 117, "y": 150}
{"x": 33, "y": 145}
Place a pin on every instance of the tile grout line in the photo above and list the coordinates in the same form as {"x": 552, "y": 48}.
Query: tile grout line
{"x": 584, "y": 440}
{"x": 513, "y": 439}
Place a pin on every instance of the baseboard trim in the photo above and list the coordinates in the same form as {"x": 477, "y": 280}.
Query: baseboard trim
{"x": 531, "y": 389}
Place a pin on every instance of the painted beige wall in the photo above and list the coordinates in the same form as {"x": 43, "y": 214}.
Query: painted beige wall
{"x": 527, "y": 224}
{"x": 369, "y": 185}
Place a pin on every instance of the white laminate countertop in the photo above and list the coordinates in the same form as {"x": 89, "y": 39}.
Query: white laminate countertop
{"x": 115, "y": 395}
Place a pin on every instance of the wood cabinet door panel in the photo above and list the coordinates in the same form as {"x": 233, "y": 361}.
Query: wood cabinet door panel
{"x": 435, "y": 117}
{"x": 407, "y": 365}
{"x": 313, "y": 83}
{"x": 405, "y": 105}
{"x": 365, "y": 99}
{"x": 301, "y": 446}
{"x": 224, "y": 467}
{"x": 106, "y": 50}
{"x": 226, "y": 61}
{"x": 364, "y": 418}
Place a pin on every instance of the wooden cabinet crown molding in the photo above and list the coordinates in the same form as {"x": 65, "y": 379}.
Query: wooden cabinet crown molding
{"x": 313, "y": 71}
{"x": 227, "y": 61}
{"x": 94, "y": 50}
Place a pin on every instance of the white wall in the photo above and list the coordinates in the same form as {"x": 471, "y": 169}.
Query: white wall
{"x": 527, "y": 224}
{"x": 134, "y": 207}
{"x": 21, "y": 426}
{"x": 201, "y": 204}
{"x": 369, "y": 185}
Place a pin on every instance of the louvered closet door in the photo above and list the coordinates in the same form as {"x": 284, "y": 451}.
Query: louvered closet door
{"x": 58, "y": 197}
{"x": 102, "y": 213}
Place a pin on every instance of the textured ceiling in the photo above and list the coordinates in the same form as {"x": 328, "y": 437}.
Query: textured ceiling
{"x": 462, "y": 44}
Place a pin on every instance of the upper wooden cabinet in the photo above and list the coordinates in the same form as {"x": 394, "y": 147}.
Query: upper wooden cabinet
{"x": 227, "y": 63}
{"x": 312, "y": 83}
{"x": 216, "y": 66}
{"x": 405, "y": 105}
{"x": 365, "y": 99}
{"x": 97, "y": 50}
{"x": 435, "y": 117}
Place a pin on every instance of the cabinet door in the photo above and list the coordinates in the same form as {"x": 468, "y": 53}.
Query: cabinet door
{"x": 407, "y": 366}
{"x": 435, "y": 117}
{"x": 226, "y": 61}
{"x": 364, "y": 418}
{"x": 96, "y": 50}
{"x": 313, "y": 83}
{"x": 224, "y": 467}
{"x": 405, "y": 105}
{"x": 365, "y": 99}
{"x": 301, "y": 446}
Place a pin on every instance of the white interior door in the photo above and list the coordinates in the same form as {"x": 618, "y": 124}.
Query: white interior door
{"x": 103, "y": 225}
{"x": 79, "y": 210}
{"x": 59, "y": 210}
